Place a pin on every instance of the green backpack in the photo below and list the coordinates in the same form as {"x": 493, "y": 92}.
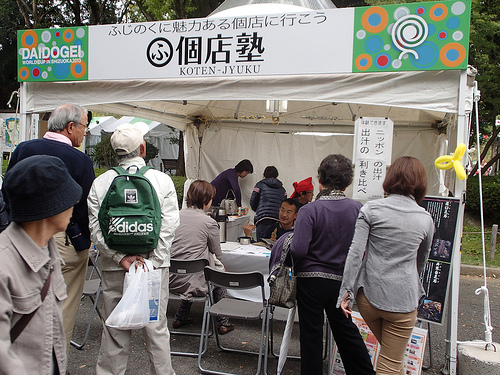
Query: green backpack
{"x": 130, "y": 214}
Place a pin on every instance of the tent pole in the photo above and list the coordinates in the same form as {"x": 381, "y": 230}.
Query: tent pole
{"x": 459, "y": 191}
{"x": 23, "y": 116}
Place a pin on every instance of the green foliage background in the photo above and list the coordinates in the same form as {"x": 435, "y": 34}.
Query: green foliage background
{"x": 491, "y": 197}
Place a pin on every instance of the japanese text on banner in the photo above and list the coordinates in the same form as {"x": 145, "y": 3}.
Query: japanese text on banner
{"x": 372, "y": 154}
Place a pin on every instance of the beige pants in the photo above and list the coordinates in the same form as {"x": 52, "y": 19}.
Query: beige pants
{"x": 115, "y": 343}
{"x": 392, "y": 331}
{"x": 74, "y": 271}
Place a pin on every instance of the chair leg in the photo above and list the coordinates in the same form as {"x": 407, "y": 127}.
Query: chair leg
{"x": 208, "y": 320}
{"x": 80, "y": 346}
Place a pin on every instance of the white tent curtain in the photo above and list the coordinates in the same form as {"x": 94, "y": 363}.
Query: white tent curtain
{"x": 296, "y": 156}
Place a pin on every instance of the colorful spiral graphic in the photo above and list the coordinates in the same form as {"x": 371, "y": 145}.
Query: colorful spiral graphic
{"x": 409, "y": 32}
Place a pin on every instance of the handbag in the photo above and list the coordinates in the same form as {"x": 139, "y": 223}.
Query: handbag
{"x": 229, "y": 204}
{"x": 132, "y": 312}
{"x": 282, "y": 280}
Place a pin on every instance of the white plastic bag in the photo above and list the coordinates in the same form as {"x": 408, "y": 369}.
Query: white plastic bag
{"x": 154, "y": 289}
{"x": 132, "y": 312}
{"x": 154, "y": 292}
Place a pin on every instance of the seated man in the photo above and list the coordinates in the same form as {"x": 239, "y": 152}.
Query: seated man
{"x": 287, "y": 215}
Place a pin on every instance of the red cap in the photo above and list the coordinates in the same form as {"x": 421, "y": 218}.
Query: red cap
{"x": 304, "y": 185}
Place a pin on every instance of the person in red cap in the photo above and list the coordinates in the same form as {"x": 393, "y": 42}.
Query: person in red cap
{"x": 303, "y": 191}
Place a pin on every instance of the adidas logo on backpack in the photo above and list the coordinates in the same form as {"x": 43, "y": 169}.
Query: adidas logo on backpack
{"x": 130, "y": 214}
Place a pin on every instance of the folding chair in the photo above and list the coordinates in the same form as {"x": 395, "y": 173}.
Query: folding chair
{"x": 186, "y": 267}
{"x": 234, "y": 309}
{"x": 91, "y": 289}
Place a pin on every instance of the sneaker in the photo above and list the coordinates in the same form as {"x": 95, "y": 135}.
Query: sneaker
{"x": 180, "y": 323}
{"x": 225, "y": 329}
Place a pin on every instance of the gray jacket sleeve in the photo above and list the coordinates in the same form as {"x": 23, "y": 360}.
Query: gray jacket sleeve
{"x": 355, "y": 258}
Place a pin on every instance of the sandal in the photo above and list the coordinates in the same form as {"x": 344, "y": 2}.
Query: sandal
{"x": 225, "y": 329}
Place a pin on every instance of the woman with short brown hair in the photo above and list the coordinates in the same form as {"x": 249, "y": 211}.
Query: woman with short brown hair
{"x": 390, "y": 247}
{"x": 196, "y": 237}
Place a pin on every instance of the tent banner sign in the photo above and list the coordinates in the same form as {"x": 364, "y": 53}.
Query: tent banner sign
{"x": 372, "y": 154}
{"x": 390, "y": 38}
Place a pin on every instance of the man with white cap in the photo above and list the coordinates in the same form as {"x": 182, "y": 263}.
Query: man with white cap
{"x": 130, "y": 147}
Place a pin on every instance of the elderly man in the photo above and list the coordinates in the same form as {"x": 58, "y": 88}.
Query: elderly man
{"x": 130, "y": 147}
{"x": 67, "y": 128}
{"x": 41, "y": 195}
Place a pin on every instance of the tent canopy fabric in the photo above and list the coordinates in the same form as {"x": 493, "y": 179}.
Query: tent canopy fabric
{"x": 177, "y": 102}
{"x": 225, "y": 118}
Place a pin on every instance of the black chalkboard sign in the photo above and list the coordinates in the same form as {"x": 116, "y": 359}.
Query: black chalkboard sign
{"x": 436, "y": 274}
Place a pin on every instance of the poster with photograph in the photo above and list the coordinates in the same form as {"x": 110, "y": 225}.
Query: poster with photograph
{"x": 436, "y": 274}
{"x": 413, "y": 358}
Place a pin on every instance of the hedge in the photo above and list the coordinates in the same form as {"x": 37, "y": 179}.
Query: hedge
{"x": 491, "y": 197}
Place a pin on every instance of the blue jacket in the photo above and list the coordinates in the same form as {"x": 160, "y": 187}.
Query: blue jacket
{"x": 266, "y": 199}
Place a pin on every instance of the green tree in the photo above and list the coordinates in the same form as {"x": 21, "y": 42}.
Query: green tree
{"x": 10, "y": 21}
{"x": 105, "y": 157}
{"x": 483, "y": 55}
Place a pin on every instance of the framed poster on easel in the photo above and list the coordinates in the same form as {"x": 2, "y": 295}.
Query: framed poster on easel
{"x": 436, "y": 274}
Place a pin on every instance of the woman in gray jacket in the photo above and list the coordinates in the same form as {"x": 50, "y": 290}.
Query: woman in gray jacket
{"x": 390, "y": 247}
{"x": 196, "y": 237}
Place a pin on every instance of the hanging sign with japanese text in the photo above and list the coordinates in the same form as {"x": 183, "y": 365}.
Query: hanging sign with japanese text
{"x": 436, "y": 274}
{"x": 371, "y": 155}
{"x": 398, "y": 37}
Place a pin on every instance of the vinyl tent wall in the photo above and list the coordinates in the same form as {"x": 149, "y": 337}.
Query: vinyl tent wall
{"x": 236, "y": 126}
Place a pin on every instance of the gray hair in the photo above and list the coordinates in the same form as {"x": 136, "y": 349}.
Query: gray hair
{"x": 133, "y": 154}
{"x": 64, "y": 114}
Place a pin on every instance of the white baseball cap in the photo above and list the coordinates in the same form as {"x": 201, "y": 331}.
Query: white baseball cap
{"x": 128, "y": 137}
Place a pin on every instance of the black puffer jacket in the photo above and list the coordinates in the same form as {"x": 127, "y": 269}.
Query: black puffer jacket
{"x": 266, "y": 199}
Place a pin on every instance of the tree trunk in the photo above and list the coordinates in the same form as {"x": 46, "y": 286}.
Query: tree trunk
{"x": 181, "y": 166}
{"x": 486, "y": 148}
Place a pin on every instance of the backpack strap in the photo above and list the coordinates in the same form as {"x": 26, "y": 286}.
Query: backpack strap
{"x": 123, "y": 171}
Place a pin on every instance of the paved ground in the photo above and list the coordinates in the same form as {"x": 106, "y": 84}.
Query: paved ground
{"x": 470, "y": 327}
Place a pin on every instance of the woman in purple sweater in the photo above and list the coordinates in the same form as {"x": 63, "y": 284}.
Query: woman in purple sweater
{"x": 323, "y": 233}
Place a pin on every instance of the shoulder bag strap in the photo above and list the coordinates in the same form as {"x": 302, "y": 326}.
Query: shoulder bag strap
{"x": 284, "y": 253}
{"x": 23, "y": 322}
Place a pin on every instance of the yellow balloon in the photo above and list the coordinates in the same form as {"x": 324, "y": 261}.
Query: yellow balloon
{"x": 453, "y": 161}
{"x": 444, "y": 162}
{"x": 459, "y": 170}
{"x": 459, "y": 152}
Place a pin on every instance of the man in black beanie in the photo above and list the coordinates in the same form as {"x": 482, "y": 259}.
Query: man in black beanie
{"x": 67, "y": 129}
{"x": 41, "y": 195}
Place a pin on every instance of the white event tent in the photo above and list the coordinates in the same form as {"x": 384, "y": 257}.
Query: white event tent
{"x": 226, "y": 117}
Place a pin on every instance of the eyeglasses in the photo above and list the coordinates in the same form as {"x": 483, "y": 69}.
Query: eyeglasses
{"x": 84, "y": 125}
{"x": 284, "y": 211}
